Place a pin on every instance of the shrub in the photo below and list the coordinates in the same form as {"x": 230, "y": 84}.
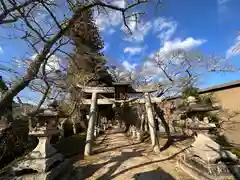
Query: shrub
{"x": 236, "y": 151}
{"x": 190, "y": 91}
{"x": 72, "y": 145}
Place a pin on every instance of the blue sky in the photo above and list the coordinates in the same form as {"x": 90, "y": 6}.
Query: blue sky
{"x": 210, "y": 26}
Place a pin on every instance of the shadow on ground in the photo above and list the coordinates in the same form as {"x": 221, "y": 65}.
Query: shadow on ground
{"x": 104, "y": 149}
{"x": 153, "y": 175}
{"x": 89, "y": 170}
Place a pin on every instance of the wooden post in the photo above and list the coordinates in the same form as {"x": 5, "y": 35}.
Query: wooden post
{"x": 151, "y": 123}
{"x": 91, "y": 124}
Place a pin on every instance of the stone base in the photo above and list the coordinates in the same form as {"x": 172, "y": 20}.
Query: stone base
{"x": 39, "y": 165}
{"x": 156, "y": 149}
{"x": 203, "y": 173}
{"x": 133, "y": 135}
{"x": 218, "y": 169}
{"x": 61, "y": 171}
{"x": 139, "y": 137}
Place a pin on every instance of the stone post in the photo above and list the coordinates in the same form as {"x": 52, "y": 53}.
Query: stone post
{"x": 142, "y": 122}
{"x": 104, "y": 119}
{"x": 130, "y": 130}
{"x": 95, "y": 131}
{"x": 151, "y": 122}
{"x": 133, "y": 132}
{"x": 91, "y": 124}
{"x": 124, "y": 126}
{"x": 138, "y": 135}
{"x": 100, "y": 122}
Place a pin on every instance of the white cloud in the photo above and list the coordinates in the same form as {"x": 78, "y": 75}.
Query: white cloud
{"x": 1, "y": 50}
{"x": 234, "y": 49}
{"x": 165, "y": 27}
{"x": 128, "y": 72}
{"x": 161, "y": 26}
{"x": 222, "y": 6}
{"x": 105, "y": 21}
{"x": 110, "y": 19}
{"x": 108, "y": 22}
{"x": 106, "y": 46}
{"x": 128, "y": 66}
{"x": 111, "y": 31}
{"x": 132, "y": 23}
{"x": 220, "y": 2}
{"x": 133, "y": 50}
{"x": 53, "y": 63}
{"x": 139, "y": 30}
{"x": 149, "y": 69}
{"x": 119, "y": 3}
{"x": 178, "y": 44}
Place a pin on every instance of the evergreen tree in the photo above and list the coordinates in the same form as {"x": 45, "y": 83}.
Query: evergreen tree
{"x": 3, "y": 86}
{"x": 86, "y": 33}
{"x": 89, "y": 64}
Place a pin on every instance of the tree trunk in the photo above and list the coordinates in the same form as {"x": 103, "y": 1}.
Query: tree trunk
{"x": 151, "y": 122}
{"x": 91, "y": 124}
{"x": 160, "y": 114}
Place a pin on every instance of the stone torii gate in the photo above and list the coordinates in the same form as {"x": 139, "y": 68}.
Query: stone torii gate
{"x": 94, "y": 101}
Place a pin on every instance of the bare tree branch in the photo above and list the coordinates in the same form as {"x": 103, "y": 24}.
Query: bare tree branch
{"x": 15, "y": 7}
{"x": 33, "y": 69}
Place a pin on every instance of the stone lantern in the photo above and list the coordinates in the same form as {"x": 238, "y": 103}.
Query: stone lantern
{"x": 44, "y": 157}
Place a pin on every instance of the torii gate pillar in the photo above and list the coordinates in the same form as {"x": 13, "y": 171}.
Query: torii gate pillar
{"x": 91, "y": 124}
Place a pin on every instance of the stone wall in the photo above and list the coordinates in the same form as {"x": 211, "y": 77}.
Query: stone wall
{"x": 229, "y": 99}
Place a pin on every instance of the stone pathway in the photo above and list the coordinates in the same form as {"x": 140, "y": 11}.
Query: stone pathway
{"x": 118, "y": 157}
